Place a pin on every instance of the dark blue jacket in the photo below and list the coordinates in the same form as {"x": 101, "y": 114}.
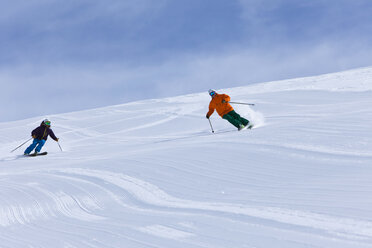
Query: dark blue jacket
{"x": 42, "y": 132}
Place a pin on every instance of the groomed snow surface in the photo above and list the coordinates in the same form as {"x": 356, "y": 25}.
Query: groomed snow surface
{"x": 151, "y": 173}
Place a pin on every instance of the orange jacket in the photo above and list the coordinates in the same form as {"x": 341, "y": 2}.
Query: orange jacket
{"x": 217, "y": 104}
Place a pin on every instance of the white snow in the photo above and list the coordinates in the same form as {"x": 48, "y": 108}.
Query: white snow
{"x": 151, "y": 173}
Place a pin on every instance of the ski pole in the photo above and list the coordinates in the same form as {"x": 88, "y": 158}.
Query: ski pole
{"x": 21, "y": 144}
{"x": 250, "y": 104}
{"x": 210, "y": 123}
{"x": 59, "y": 146}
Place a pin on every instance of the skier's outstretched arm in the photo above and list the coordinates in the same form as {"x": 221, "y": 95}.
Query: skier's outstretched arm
{"x": 53, "y": 136}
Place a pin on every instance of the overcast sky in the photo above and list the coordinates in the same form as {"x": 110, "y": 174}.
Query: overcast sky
{"x": 66, "y": 55}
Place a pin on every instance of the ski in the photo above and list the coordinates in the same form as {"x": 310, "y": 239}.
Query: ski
{"x": 37, "y": 154}
{"x": 249, "y": 126}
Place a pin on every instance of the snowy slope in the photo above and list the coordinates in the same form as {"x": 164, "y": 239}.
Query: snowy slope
{"x": 151, "y": 173}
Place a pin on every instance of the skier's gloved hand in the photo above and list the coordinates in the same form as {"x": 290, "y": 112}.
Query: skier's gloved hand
{"x": 207, "y": 116}
{"x": 57, "y": 139}
{"x": 34, "y": 136}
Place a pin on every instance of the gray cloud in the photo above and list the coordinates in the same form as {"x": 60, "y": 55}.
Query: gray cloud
{"x": 60, "y": 89}
{"x": 73, "y": 55}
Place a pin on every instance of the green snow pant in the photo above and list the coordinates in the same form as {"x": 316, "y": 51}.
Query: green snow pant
{"x": 235, "y": 119}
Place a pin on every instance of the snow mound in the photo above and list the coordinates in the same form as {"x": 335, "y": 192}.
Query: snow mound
{"x": 152, "y": 174}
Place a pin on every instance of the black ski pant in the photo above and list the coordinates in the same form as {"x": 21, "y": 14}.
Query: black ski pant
{"x": 235, "y": 119}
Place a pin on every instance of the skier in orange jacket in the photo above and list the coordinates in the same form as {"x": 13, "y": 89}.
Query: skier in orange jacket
{"x": 220, "y": 103}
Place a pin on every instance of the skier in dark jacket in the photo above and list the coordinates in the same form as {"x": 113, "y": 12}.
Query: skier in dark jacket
{"x": 40, "y": 135}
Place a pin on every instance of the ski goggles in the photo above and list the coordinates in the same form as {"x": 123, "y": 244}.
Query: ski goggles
{"x": 47, "y": 123}
{"x": 212, "y": 93}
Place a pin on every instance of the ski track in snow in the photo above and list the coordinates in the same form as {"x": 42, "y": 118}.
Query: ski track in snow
{"x": 150, "y": 198}
{"x": 151, "y": 173}
{"x": 152, "y": 195}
